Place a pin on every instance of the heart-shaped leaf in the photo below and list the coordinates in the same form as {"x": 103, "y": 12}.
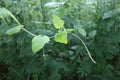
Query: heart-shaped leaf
{"x": 61, "y": 37}
{"x": 38, "y": 42}
{"x": 58, "y": 23}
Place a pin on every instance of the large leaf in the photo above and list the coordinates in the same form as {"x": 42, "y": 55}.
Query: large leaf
{"x": 14, "y": 30}
{"x": 38, "y": 42}
{"x": 58, "y": 23}
{"x": 61, "y": 37}
{"x": 82, "y": 31}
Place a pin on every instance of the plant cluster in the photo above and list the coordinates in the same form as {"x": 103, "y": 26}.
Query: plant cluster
{"x": 54, "y": 40}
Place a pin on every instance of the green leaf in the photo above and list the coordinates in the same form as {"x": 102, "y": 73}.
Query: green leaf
{"x": 54, "y": 4}
{"x": 82, "y": 31}
{"x": 107, "y": 15}
{"x": 69, "y": 30}
{"x": 92, "y": 33}
{"x": 110, "y": 23}
{"x": 38, "y": 42}
{"x": 61, "y": 37}
{"x": 58, "y": 23}
{"x": 4, "y": 13}
{"x": 14, "y": 30}
{"x": 61, "y": 12}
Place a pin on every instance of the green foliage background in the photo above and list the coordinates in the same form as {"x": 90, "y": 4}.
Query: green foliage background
{"x": 57, "y": 61}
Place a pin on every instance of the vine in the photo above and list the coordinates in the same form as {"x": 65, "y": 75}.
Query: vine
{"x": 39, "y": 41}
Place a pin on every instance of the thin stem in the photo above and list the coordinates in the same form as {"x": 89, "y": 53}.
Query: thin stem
{"x": 41, "y": 22}
{"x": 52, "y": 37}
{"x": 28, "y": 32}
{"x": 85, "y": 47}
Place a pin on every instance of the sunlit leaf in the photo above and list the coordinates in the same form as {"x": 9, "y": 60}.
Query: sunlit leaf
{"x": 58, "y": 23}
{"x": 38, "y": 42}
{"x": 61, "y": 37}
{"x": 14, "y": 30}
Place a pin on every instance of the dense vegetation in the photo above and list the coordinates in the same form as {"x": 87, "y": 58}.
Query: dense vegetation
{"x": 46, "y": 40}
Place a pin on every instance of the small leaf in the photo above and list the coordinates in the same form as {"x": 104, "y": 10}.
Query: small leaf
{"x": 69, "y": 30}
{"x": 110, "y": 23}
{"x": 14, "y": 30}
{"x": 82, "y": 31}
{"x": 92, "y": 33}
{"x": 38, "y": 42}
{"x": 58, "y": 23}
{"x": 4, "y": 13}
{"x": 61, "y": 37}
{"x": 107, "y": 15}
{"x": 53, "y": 4}
{"x": 61, "y": 12}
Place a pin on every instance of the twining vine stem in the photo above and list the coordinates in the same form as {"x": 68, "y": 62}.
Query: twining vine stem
{"x": 28, "y": 32}
{"x": 85, "y": 47}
